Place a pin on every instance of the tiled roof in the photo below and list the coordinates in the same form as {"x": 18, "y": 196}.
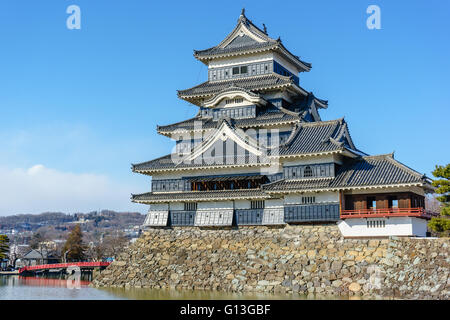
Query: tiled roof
{"x": 242, "y": 44}
{"x": 254, "y": 83}
{"x": 376, "y": 170}
{"x": 297, "y": 184}
{"x": 314, "y": 137}
{"x": 263, "y": 118}
{"x": 307, "y": 138}
{"x": 166, "y": 163}
{"x": 227, "y": 178}
{"x": 369, "y": 171}
{"x": 215, "y": 195}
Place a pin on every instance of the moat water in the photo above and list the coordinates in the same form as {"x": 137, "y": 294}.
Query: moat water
{"x": 35, "y": 288}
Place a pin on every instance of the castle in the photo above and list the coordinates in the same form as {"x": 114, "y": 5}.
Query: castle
{"x": 258, "y": 153}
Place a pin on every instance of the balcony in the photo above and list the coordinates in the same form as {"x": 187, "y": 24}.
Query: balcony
{"x": 387, "y": 212}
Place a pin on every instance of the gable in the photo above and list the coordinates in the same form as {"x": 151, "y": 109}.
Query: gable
{"x": 241, "y": 40}
{"x": 227, "y": 145}
{"x": 246, "y": 29}
{"x": 240, "y": 96}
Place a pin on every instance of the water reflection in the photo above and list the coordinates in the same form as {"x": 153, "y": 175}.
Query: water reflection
{"x": 167, "y": 294}
{"x": 39, "y": 288}
{"x": 46, "y": 282}
{"x": 56, "y": 288}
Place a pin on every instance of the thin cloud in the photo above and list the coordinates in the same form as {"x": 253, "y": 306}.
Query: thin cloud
{"x": 38, "y": 189}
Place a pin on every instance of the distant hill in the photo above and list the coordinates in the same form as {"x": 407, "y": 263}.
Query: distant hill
{"x": 56, "y": 225}
{"x": 104, "y": 218}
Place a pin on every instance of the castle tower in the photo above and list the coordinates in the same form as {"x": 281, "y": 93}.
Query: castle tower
{"x": 258, "y": 153}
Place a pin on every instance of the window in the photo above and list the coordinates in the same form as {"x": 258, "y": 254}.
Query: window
{"x": 236, "y": 100}
{"x": 190, "y": 206}
{"x": 235, "y": 70}
{"x": 308, "y": 172}
{"x": 371, "y": 203}
{"x": 376, "y": 223}
{"x": 393, "y": 202}
{"x": 243, "y": 69}
{"x": 307, "y": 200}
{"x": 257, "y": 204}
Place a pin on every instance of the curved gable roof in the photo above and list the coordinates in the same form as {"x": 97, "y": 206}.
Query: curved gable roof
{"x": 245, "y": 38}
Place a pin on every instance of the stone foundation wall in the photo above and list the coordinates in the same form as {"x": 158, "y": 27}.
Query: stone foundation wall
{"x": 310, "y": 259}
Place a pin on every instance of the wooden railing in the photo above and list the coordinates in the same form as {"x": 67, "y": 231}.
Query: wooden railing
{"x": 387, "y": 212}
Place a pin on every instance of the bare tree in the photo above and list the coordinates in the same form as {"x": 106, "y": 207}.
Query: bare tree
{"x": 432, "y": 204}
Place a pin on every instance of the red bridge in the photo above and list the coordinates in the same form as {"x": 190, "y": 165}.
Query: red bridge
{"x": 82, "y": 265}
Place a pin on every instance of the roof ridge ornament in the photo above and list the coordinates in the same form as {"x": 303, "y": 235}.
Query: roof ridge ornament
{"x": 265, "y": 28}
{"x": 242, "y": 17}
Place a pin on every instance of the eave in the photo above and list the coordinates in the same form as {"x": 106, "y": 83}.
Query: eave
{"x": 200, "y": 196}
{"x": 337, "y": 189}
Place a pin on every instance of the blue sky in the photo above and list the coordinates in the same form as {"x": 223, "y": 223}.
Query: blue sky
{"x": 83, "y": 104}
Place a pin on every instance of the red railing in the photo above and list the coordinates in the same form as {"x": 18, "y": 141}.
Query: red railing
{"x": 64, "y": 265}
{"x": 387, "y": 212}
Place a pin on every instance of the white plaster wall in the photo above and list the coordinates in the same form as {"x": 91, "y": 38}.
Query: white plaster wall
{"x": 277, "y": 94}
{"x": 230, "y": 61}
{"x": 278, "y": 58}
{"x": 309, "y": 160}
{"x": 176, "y": 206}
{"x": 273, "y": 203}
{"x": 395, "y": 226}
{"x": 259, "y": 57}
{"x": 215, "y": 205}
{"x": 242, "y": 204}
{"x": 159, "y": 206}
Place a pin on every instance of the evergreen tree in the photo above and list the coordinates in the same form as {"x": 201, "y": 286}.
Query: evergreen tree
{"x": 74, "y": 248}
{"x": 4, "y": 246}
{"x": 442, "y": 224}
